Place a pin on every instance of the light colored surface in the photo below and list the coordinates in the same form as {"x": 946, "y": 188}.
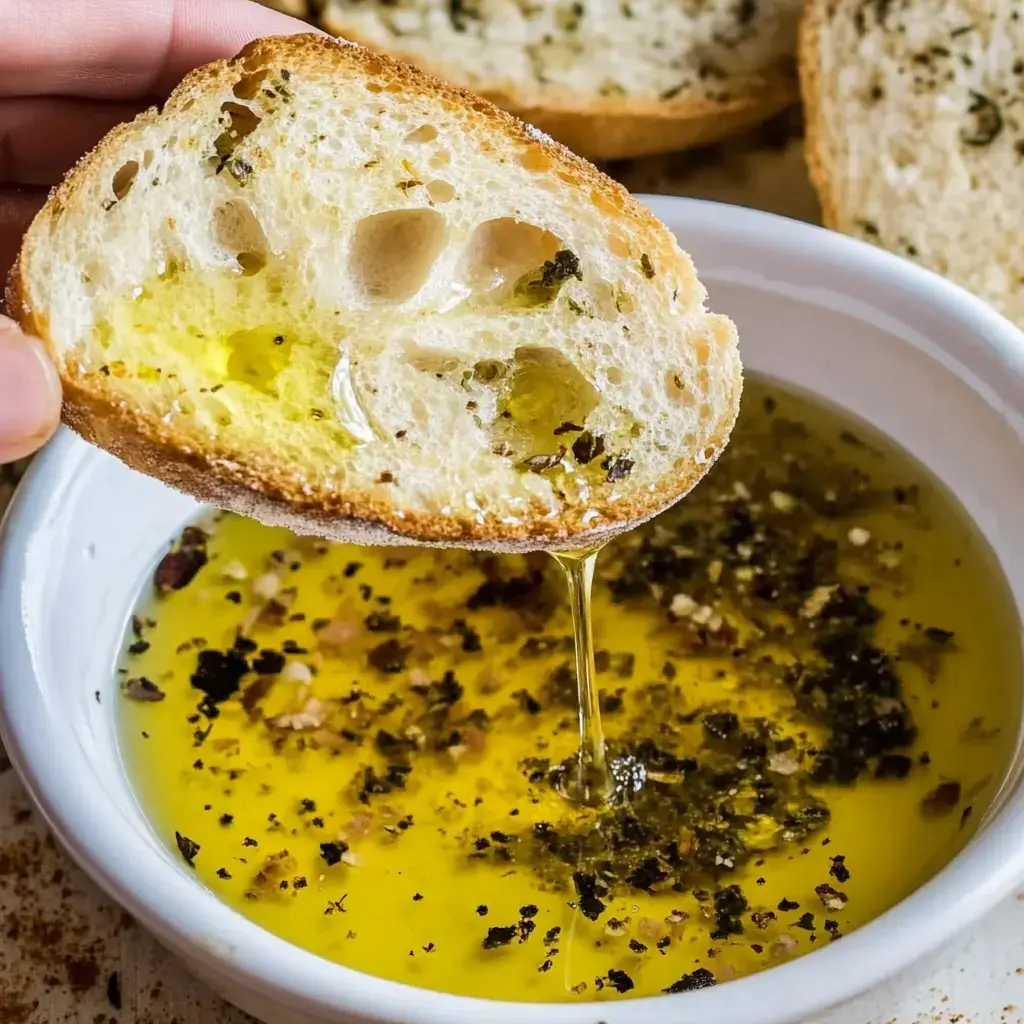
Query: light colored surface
{"x": 63, "y": 919}
{"x": 906, "y": 351}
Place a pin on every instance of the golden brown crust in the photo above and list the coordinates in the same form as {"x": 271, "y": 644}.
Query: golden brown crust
{"x": 259, "y": 488}
{"x": 816, "y": 144}
{"x": 616, "y": 128}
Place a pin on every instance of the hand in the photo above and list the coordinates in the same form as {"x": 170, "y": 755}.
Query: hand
{"x": 69, "y": 72}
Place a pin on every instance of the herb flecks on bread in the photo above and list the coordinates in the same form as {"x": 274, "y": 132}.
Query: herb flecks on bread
{"x": 915, "y": 122}
{"x": 608, "y": 78}
{"x": 326, "y": 290}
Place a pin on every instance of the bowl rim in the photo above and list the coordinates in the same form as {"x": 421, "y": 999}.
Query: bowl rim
{"x": 195, "y": 923}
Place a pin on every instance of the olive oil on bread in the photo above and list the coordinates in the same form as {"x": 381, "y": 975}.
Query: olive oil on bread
{"x": 804, "y": 673}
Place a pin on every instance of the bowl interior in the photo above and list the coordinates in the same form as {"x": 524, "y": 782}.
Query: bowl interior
{"x": 924, "y": 363}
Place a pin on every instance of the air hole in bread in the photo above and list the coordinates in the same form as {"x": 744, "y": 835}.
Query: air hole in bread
{"x": 147, "y": 158}
{"x": 237, "y": 230}
{"x": 604, "y": 204}
{"x": 613, "y": 375}
{"x": 248, "y": 86}
{"x": 602, "y": 305}
{"x": 124, "y": 178}
{"x": 619, "y": 246}
{"x": 501, "y": 251}
{"x": 440, "y": 191}
{"x": 241, "y": 123}
{"x": 538, "y": 392}
{"x": 374, "y": 87}
{"x": 534, "y": 159}
{"x": 441, "y": 158}
{"x": 433, "y": 360}
{"x": 425, "y": 133}
{"x": 675, "y": 386}
{"x": 393, "y": 253}
{"x": 624, "y": 301}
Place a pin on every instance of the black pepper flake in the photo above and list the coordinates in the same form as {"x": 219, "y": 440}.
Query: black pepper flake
{"x": 332, "y": 853}
{"x": 416, "y": 897}
{"x": 567, "y": 428}
{"x": 551, "y": 935}
{"x": 730, "y": 903}
{"x": 942, "y": 799}
{"x": 268, "y": 663}
{"x": 806, "y": 921}
{"x": 589, "y": 891}
{"x": 218, "y": 675}
{"x": 389, "y": 657}
{"x": 188, "y": 849}
{"x": 530, "y": 910}
{"x": 618, "y": 467}
{"x": 938, "y": 636}
{"x": 785, "y": 904}
{"x": 587, "y": 447}
{"x": 351, "y": 569}
{"x": 500, "y": 936}
{"x": 528, "y": 702}
{"x": 546, "y": 966}
{"x": 839, "y": 871}
{"x": 114, "y": 991}
{"x": 299, "y": 883}
{"x": 620, "y": 980}
{"x": 249, "y": 841}
{"x": 179, "y": 567}
{"x": 226, "y": 819}
{"x": 138, "y": 647}
{"x": 637, "y": 947}
{"x": 482, "y": 910}
{"x": 721, "y": 725}
{"x": 893, "y": 766}
{"x": 700, "y": 978}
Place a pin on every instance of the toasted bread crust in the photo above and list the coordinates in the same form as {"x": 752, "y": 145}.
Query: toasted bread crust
{"x": 261, "y": 489}
{"x": 816, "y": 143}
{"x": 614, "y": 128}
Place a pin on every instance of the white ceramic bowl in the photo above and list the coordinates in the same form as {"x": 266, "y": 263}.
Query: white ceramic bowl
{"x": 931, "y": 366}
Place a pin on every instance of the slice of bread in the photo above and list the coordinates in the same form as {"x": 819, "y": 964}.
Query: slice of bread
{"x": 326, "y": 290}
{"x": 915, "y": 132}
{"x": 609, "y": 78}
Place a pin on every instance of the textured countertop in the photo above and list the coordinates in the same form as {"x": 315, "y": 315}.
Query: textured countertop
{"x": 69, "y": 956}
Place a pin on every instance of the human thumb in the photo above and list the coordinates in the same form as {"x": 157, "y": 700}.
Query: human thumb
{"x": 29, "y": 393}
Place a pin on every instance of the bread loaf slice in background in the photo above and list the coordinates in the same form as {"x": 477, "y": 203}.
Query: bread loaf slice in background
{"x": 609, "y": 78}
{"x": 915, "y": 133}
{"x": 327, "y": 290}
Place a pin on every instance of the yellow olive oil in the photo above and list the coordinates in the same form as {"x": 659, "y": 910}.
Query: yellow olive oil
{"x": 807, "y": 678}
{"x": 593, "y": 782}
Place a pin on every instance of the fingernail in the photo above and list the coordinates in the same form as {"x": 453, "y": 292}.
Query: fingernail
{"x": 29, "y": 393}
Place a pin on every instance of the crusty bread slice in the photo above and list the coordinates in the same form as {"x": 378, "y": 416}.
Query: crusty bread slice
{"x": 915, "y": 132}
{"x": 609, "y": 78}
{"x": 326, "y": 290}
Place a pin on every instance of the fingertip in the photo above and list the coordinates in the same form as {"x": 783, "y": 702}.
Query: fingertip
{"x": 30, "y": 394}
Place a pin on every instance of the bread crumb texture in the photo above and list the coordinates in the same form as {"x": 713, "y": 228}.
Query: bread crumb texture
{"x": 327, "y": 290}
{"x": 916, "y": 133}
{"x": 648, "y": 49}
{"x": 610, "y": 78}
